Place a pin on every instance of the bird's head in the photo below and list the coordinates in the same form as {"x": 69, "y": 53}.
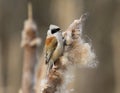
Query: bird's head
{"x": 53, "y": 30}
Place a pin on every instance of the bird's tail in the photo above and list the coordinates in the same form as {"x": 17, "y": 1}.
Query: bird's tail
{"x": 50, "y": 65}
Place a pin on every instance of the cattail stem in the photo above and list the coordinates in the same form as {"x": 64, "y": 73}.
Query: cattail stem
{"x": 30, "y": 16}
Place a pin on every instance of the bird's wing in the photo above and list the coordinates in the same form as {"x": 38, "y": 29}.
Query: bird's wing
{"x": 50, "y": 46}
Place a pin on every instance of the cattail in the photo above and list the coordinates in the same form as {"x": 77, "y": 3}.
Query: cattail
{"x": 29, "y": 42}
{"x": 76, "y": 52}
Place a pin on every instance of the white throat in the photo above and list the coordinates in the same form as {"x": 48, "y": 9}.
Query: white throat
{"x": 59, "y": 47}
{"x": 58, "y": 36}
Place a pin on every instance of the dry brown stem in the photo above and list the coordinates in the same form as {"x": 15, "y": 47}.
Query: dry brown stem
{"x": 55, "y": 78}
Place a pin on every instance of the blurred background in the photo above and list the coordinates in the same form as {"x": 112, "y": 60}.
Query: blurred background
{"x": 102, "y": 26}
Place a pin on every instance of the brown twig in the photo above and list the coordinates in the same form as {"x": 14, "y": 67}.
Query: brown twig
{"x": 76, "y": 52}
{"x": 29, "y": 42}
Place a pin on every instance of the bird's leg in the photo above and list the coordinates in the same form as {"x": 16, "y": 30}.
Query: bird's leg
{"x": 54, "y": 66}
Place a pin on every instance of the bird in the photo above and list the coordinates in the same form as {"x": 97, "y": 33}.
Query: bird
{"x": 53, "y": 46}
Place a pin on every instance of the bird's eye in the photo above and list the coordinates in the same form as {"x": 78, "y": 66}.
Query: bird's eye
{"x": 55, "y": 30}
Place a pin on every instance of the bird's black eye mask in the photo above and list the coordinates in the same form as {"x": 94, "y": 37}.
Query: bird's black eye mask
{"x": 55, "y": 30}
